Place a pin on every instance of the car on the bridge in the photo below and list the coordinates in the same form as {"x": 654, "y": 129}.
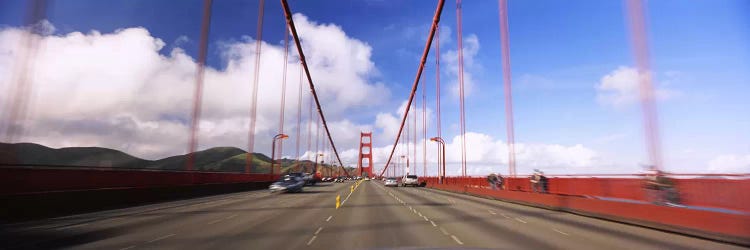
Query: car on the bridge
{"x": 288, "y": 183}
{"x": 410, "y": 180}
{"x": 391, "y": 182}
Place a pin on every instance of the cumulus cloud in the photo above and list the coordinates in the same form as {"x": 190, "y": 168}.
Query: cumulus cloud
{"x": 730, "y": 163}
{"x": 620, "y": 88}
{"x": 486, "y": 154}
{"x": 121, "y": 90}
{"x": 450, "y": 58}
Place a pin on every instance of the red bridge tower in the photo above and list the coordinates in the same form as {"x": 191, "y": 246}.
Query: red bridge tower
{"x": 364, "y": 164}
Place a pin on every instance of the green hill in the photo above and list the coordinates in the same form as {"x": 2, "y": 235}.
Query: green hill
{"x": 35, "y": 154}
{"x": 218, "y": 159}
{"x": 221, "y": 159}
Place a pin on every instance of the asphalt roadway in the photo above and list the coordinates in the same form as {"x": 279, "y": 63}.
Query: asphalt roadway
{"x": 372, "y": 217}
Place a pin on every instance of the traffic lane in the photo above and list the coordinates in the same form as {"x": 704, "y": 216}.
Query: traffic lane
{"x": 71, "y": 220}
{"x": 554, "y": 236}
{"x": 596, "y": 233}
{"x": 476, "y": 230}
{"x": 83, "y": 228}
{"x": 144, "y": 226}
{"x": 287, "y": 228}
{"x": 217, "y": 227}
{"x": 371, "y": 218}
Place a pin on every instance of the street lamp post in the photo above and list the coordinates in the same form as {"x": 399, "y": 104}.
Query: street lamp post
{"x": 273, "y": 149}
{"x": 315, "y": 169}
{"x": 404, "y": 168}
{"x": 442, "y": 143}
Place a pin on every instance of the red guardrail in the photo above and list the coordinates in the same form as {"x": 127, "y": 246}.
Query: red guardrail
{"x": 716, "y": 193}
{"x": 19, "y": 180}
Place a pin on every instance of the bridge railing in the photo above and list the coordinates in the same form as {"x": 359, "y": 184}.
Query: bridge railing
{"x": 23, "y": 180}
{"x": 723, "y": 192}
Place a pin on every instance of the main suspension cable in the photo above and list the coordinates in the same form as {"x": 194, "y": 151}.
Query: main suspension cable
{"x": 290, "y": 22}
{"x": 435, "y": 21}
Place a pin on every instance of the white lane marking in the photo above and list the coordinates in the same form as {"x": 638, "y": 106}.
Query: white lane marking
{"x": 508, "y": 217}
{"x": 433, "y": 223}
{"x": 491, "y": 212}
{"x": 215, "y": 221}
{"x": 329, "y": 218}
{"x": 126, "y": 248}
{"x": 443, "y": 230}
{"x": 231, "y": 216}
{"x": 420, "y": 214}
{"x": 520, "y": 220}
{"x": 426, "y": 219}
{"x": 311, "y": 240}
{"x": 318, "y": 231}
{"x": 72, "y": 226}
{"x": 161, "y": 238}
{"x": 457, "y": 240}
{"x": 561, "y": 232}
{"x": 411, "y": 209}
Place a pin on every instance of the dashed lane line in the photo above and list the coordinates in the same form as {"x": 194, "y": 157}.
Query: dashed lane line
{"x": 126, "y": 248}
{"x": 456, "y": 239}
{"x": 433, "y": 223}
{"x": 309, "y": 242}
{"x": 72, "y": 226}
{"x": 520, "y": 220}
{"x": 561, "y": 232}
{"x": 161, "y": 238}
{"x": 318, "y": 231}
{"x": 329, "y": 218}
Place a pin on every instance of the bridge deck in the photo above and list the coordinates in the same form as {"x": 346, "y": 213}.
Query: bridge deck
{"x": 372, "y": 217}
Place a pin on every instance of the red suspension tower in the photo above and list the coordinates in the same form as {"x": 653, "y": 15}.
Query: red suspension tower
{"x": 365, "y": 153}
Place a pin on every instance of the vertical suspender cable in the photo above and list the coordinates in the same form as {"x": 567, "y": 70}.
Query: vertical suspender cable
{"x": 299, "y": 112}
{"x": 414, "y": 137}
{"x": 21, "y": 88}
{"x": 639, "y": 40}
{"x": 198, "y": 93}
{"x": 424, "y": 131}
{"x": 462, "y": 112}
{"x": 283, "y": 90}
{"x": 505, "y": 46}
{"x": 309, "y": 128}
{"x": 437, "y": 98}
{"x": 254, "y": 99}
{"x": 435, "y": 21}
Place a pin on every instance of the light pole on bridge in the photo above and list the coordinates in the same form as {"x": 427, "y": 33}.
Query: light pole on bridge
{"x": 441, "y": 176}
{"x": 273, "y": 149}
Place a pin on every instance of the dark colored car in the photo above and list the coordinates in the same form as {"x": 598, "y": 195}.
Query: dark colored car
{"x": 288, "y": 183}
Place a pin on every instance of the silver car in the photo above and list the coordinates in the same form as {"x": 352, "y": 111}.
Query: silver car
{"x": 391, "y": 182}
{"x": 410, "y": 180}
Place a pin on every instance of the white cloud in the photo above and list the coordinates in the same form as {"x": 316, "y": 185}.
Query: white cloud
{"x": 117, "y": 90}
{"x": 450, "y": 58}
{"x": 620, "y": 88}
{"x": 730, "y": 163}
{"x": 486, "y": 154}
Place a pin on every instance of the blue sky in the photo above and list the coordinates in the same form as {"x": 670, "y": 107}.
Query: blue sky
{"x": 560, "y": 50}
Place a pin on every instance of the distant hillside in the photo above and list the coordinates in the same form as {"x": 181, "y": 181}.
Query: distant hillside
{"x": 219, "y": 159}
{"x": 35, "y": 154}
{"x": 222, "y": 159}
